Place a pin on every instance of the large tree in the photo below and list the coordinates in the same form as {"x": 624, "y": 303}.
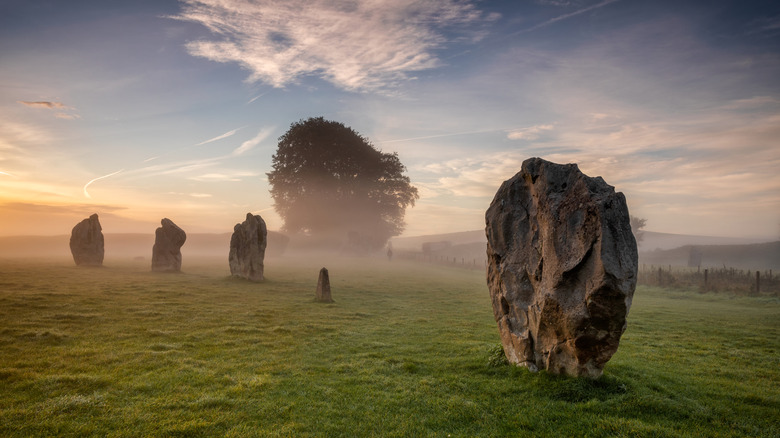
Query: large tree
{"x": 637, "y": 225}
{"x": 330, "y": 182}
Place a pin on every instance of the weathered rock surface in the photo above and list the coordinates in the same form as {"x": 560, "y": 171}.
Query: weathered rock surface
{"x": 562, "y": 265}
{"x": 247, "y": 248}
{"x": 86, "y": 242}
{"x": 323, "y": 287}
{"x": 166, "y": 252}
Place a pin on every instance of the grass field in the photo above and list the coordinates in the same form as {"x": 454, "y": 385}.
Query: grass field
{"x": 406, "y": 350}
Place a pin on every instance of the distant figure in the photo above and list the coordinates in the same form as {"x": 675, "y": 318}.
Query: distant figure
{"x": 389, "y": 252}
{"x": 323, "y": 287}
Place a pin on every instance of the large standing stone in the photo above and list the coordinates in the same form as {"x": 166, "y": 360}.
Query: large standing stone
{"x": 323, "y": 287}
{"x": 166, "y": 252}
{"x": 86, "y": 242}
{"x": 247, "y": 248}
{"x": 562, "y": 265}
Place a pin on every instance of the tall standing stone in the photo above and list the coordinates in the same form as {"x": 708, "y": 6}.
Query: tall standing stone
{"x": 247, "y": 248}
{"x": 166, "y": 252}
{"x": 323, "y": 287}
{"x": 562, "y": 265}
{"x": 86, "y": 242}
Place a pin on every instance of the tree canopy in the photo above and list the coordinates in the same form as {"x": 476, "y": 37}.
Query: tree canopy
{"x": 637, "y": 225}
{"x": 330, "y": 182}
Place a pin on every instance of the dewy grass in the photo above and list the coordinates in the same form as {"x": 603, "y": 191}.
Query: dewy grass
{"x": 405, "y": 350}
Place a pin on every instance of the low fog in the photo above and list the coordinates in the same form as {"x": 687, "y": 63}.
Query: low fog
{"x": 465, "y": 248}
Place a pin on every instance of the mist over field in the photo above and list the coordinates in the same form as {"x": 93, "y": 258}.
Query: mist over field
{"x": 370, "y": 138}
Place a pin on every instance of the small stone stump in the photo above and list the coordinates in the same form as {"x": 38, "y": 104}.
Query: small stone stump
{"x": 247, "y": 248}
{"x": 86, "y": 242}
{"x": 323, "y": 287}
{"x": 562, "y": 268}
{"x": 166, "y": 252}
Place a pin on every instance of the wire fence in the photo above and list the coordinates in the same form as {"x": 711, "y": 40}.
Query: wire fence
{"x": 442, "y": 260}
{"x": 711, "y": 279}
{"x": 704, "y": 280}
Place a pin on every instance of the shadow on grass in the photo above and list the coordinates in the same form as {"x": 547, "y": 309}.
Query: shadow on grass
{"x": 579, "y": 389}
{"x": 558, "y": 387}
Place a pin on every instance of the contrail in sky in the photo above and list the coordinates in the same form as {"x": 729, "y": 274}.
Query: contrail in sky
{"x": 572, "y": 14}
{"x": 188, "y": 165}
{"x": 100, "y": 177}
{"x": 255, "y": 98}
{"x": 5, "y": 173}
{"x": 219, "y": 137}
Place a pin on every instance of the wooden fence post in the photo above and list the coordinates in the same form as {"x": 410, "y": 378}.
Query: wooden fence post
{"x": 705, "y": 278}
{"x": 758, "y": 282}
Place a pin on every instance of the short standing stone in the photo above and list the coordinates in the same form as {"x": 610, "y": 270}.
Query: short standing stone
{"x": 166, "y": 253}
{"x": 323, "y": 287}
{"x": 562, "y": 265}
{"x": 247, "y": 248}
{"x": 86, "y": 242}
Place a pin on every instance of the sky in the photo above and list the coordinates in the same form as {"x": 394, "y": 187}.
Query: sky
{"x": 139, "y": 110}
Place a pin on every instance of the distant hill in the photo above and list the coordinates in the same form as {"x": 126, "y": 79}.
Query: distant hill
{"x": 752, "y": 256}
{"x": 34, "y": 246}
{"x": 126, "y": 245}
{"x": 651, "y": 241}
{"x": 463, "y": 237}
{"x": 655, "y": 248}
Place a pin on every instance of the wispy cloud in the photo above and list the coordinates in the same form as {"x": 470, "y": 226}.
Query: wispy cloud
{"x": 670, "y": 170}
{"x": 61, "y": 107}
{"x": 447, "y": 134}
{"x": 215, "y": 177}
{"x": 24, "y": 145}
{"x": 67, "y": 116}
{"x": 765, "y": 25}
{"x": 192, "y": 166}
{"x": 44, "y": 104}
{"x": 531, "y": 133}
{"x": 358, "y": 46}
{"x": 219, "y": 137}
{"x": 69, "y": 209}
{"x": 560, "y": 3}
{"x": 570, "y": 14}
{"x": 250, "y": 144}
{"x": 192, "y": 195}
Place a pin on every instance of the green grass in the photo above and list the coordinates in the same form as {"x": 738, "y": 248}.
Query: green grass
{"x": 406, "y": 350}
